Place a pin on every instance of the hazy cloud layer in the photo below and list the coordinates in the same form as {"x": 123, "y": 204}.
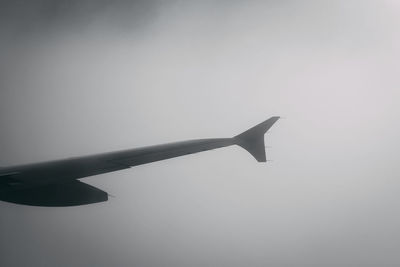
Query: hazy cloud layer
{"x": 81, "y": 77}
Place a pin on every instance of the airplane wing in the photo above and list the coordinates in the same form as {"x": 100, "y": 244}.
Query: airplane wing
{"x": 55, "y": 183}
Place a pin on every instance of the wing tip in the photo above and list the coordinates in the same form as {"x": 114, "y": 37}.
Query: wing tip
{"x": 252, "y": 139}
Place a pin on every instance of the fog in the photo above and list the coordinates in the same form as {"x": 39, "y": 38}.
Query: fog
{"x": 85, "y": 77}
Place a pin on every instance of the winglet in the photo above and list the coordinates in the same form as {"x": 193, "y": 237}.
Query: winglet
{"x": 253, "y": 139}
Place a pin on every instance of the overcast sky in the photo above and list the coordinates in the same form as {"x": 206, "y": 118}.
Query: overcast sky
{"x": 84, "y": 77}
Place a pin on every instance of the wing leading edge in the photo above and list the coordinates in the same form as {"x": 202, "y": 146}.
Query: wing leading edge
{"x": 38, "y": 184}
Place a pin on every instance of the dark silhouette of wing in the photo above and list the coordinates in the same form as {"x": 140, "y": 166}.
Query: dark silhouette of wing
{"x": 55, "y": 183}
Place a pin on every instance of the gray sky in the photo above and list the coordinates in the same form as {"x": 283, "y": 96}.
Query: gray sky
{"x": 83, "y": 77}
